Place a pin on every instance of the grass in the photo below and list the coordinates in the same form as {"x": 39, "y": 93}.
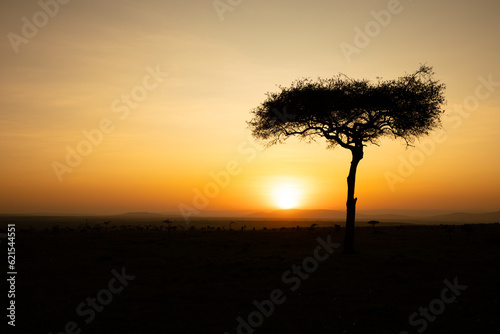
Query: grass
{"x": 201, "y": 282}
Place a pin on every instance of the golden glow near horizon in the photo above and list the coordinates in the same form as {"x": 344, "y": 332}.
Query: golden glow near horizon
{"x": 286, "y": 195}
{"x": 116, "y": 106}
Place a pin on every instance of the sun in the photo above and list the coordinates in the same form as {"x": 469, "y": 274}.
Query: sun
{"x": 286, "y": 196}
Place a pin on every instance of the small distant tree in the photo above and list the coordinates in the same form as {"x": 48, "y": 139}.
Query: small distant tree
{"x": 170, "y": 228}
{"x": 351, "y": 114}
{"x": 106, "y": 224}
{"x": 373, "y": 223}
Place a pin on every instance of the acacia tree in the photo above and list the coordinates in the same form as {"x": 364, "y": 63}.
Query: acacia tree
{"x": 351, "y": 114}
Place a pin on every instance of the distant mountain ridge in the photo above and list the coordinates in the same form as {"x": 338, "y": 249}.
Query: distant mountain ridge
{"x": 387, "y": 216}
{"x": 455, "y": 217}
{"x": 490, "y": 217}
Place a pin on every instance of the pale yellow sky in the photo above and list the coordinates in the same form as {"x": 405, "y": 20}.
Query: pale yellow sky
{"x": 170, "y": 86}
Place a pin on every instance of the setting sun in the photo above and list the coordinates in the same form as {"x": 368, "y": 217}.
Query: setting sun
{"x": 286, "y": 196}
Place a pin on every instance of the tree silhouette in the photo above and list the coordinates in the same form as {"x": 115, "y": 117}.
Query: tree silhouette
{"x": 351, "y": 113}
{"x": 373, "y": 223}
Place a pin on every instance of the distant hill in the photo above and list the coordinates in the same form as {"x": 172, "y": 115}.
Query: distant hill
{"x": 412, "y": 217}
{"x": 389, "y": 217}
{"x": 465, "y": 217}
{"x": 139, "y": 215}
{"x": 323, "y": 215}
{"x": 299, "y": 214}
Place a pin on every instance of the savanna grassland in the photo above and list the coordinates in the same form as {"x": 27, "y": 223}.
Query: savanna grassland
{"x": 195, "y": 281}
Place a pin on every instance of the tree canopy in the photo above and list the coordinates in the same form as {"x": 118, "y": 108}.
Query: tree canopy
{"x": 351, "y": 113}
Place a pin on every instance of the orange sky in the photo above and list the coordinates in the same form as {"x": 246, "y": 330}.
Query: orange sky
{"x": 153, "y": 96}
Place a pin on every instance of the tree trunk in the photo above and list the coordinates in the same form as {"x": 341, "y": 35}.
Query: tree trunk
{"x": 357, "y": 155}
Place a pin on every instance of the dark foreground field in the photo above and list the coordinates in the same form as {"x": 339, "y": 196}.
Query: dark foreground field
{"x": 201, "y": 282}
